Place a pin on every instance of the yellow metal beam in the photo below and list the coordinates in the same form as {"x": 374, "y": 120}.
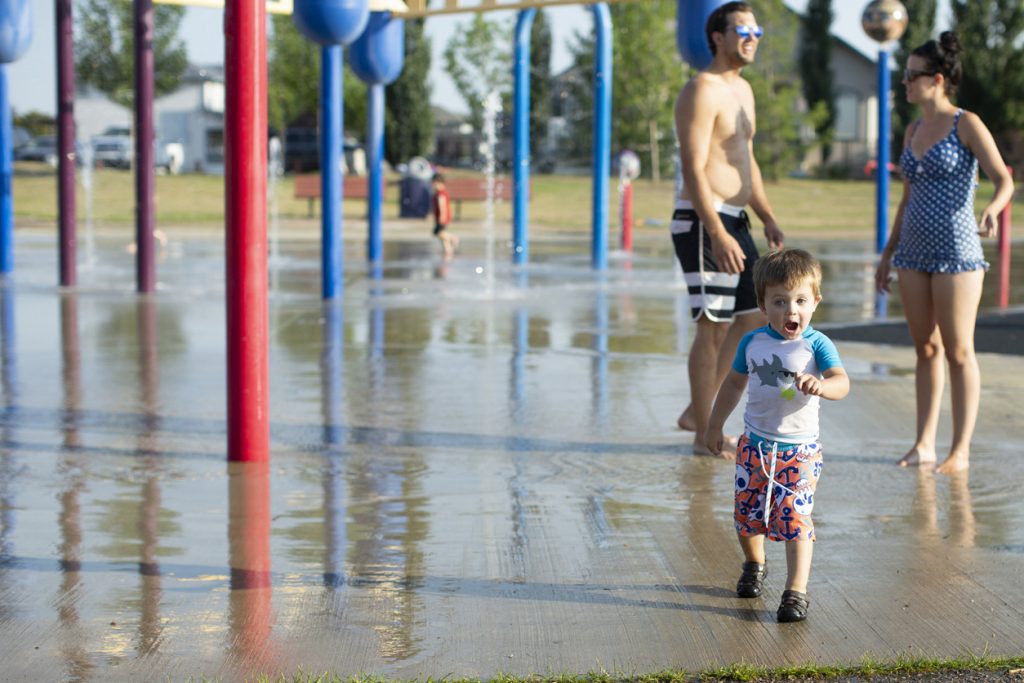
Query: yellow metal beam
{"x": 411, "y": 9}
{"x": 429, "y": 8}
{"x": 273, "y": 6}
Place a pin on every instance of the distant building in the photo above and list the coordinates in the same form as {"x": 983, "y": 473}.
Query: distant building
{"x": 855, "y": 130}
{"x": 192, "y": 115}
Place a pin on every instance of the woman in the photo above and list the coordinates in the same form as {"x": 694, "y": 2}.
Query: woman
{"x": 935, "y": 245}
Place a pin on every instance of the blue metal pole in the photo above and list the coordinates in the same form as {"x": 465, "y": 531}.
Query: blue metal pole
{"x": 375, "y": 149}
{"x": 331, "y": 113}
{"x": 882, "y": 172}
{"x": 6, "y": 170}
{"x": 602, "y": 133}
{"x": 521, "y": 112}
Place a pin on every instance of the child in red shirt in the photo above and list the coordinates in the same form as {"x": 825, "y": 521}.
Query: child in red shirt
{"x": 443, "y": 216}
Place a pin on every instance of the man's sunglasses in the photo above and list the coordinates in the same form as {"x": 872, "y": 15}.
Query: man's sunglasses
{"x": 911, "y": 75}
{"x": 748, "y": 32}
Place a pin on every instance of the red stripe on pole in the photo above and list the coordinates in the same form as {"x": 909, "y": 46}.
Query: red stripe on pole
{"x": 245, "y": 164}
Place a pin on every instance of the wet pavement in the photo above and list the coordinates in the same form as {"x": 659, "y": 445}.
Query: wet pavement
{"x": 474, "y": 472}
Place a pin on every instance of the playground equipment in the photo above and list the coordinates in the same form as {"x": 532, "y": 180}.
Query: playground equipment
{"x": 883, "y": 21}
{"x": 15, "y": 38}
{"x": 377, "y": 57}
{"x": 629, "y": 170}
{"x": 332, "y": 24}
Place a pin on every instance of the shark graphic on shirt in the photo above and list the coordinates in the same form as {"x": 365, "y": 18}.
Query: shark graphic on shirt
{"x": 773, "y": 374}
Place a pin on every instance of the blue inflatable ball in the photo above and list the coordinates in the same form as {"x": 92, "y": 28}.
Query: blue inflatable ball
{"x": 331, "y": 22}
{"x": 378, "y": 55}
{"x": 691, "y": 18}
{"x": 15, "y": 29}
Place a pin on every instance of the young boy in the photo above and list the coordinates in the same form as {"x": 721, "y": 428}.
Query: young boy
{"x": 443, "y": 216}
{"x": 787, "y": 367}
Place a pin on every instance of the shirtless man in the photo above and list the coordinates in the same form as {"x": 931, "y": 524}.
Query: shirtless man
{"x": 710, "y": 228}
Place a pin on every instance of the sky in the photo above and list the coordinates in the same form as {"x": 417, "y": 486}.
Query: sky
{"x": 32, "y": 79}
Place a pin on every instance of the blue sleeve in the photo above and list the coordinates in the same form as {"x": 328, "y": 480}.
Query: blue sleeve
{"x": 739, "y": 361}
{"x": 825, "y": 354}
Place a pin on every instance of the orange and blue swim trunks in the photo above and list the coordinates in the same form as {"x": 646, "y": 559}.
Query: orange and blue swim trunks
{"x": 794, "y": 469}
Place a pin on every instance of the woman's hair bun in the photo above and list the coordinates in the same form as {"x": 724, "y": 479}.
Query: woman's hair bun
{"x": 950, "y": 43}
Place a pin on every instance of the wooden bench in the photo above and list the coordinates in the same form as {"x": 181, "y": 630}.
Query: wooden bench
{"x": 307, "y": 186}
{"x": 469, "y": 189}
{"x": 475, "y": 190}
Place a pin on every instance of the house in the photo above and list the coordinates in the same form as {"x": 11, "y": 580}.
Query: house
{"x": 855, "y": 129}
{"x": 192, "y": 115}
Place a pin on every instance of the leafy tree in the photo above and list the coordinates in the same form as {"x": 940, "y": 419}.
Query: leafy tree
{"x": 645, "y": 78}
{"x": 293, "y": 80}
{"x": 104, "y": 48}
{"x": 409, "y": 126}
{"x": 540, "y": 82}
{"x": 479, "y": 60}
{"x": 36, "y": 123}
{"x": 920, "y": 28}
{"x": 816, "y": 67}
{"x": 578, "y": 103}
{"x": 991, "y": 33}
{"x": 776, "y": 83}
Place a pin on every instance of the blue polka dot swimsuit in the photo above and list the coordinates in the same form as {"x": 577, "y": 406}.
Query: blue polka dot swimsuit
{"x": 939, "y": 233}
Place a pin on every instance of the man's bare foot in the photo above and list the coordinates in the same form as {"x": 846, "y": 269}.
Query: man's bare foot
{"x": 917, "y": 457}
{"x": 956, "y": 462}
{"x": 728, "y": 448}
{"x": 685, "y": 420}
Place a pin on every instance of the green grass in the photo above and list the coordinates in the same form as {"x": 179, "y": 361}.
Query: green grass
{"x": 866, "y": 668}
{"x": 559, "y": 203}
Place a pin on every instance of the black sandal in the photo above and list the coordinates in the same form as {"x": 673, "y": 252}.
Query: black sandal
{"x": 793, "y": 606}
{"x": 749, "y": 585}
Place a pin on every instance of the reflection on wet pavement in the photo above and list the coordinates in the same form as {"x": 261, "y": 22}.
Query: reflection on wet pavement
{"x": 461, "y": 484}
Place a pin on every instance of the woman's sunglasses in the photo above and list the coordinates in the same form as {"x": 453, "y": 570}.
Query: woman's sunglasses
{"x": 911, "y": 75}
{"x": 748, "y": 32}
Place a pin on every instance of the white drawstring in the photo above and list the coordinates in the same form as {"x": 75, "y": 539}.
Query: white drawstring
{"x": 771, "y": 479}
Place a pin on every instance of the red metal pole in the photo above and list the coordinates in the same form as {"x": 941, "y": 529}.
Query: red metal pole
{"x": 1003, "y": 292}
{"x": 245, "y": 171}
{"x": 627, "y": 217}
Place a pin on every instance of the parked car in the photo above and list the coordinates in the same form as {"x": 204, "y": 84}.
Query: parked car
{"x": 42, "y": 148}
{"x": 113, "y": 147}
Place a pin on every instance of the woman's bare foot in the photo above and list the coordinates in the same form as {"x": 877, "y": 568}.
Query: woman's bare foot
{"x": 956, "y": 462}
{"x": 917, "y": 457}
{"x": 685, "y": 420}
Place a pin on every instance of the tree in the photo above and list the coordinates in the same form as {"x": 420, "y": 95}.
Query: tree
{"x": 816, "y": 67}
{"x": 540, "y": 82}
{"x": 36, "y": 123}
{"x": 646, "y": 75}
{"x": 991, "y": 33}
{"x": 776, "y": 83}
{"x": 104, "y": 48}
{"x": 920, "y": 28}
{"x": 409, "y": 126}
{"x": 293, "y": 80}
{"x": 479, "y": 60}
{"x": 578, "y": 102}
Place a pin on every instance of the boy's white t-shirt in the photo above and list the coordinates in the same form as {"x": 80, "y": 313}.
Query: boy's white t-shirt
{"x": 776, "y": 409}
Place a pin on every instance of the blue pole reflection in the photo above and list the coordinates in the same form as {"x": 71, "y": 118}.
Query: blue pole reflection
{"x": 599, "y": 364}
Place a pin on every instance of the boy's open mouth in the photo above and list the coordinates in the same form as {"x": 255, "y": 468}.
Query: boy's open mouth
{"x": 792, "y": 326}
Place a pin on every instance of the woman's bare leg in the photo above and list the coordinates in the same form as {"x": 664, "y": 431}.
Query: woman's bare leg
{"x": 956, "y": 297}
{"x": 919, "y": 309}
